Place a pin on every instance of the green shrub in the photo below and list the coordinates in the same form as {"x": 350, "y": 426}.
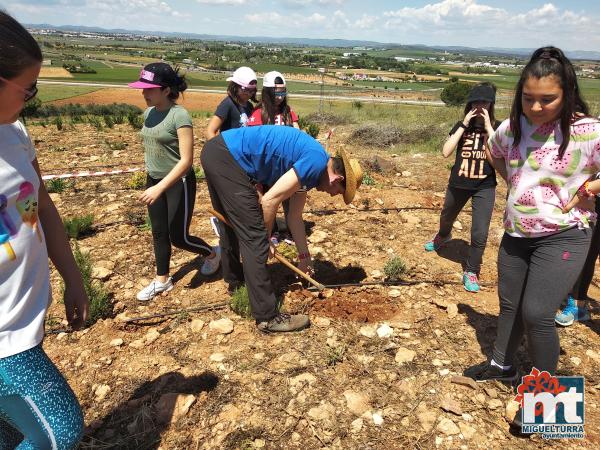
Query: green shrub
{"x": 79, "y": 226}
{"x": 121, "y": 145}
{"x": 58, "y": 122}
{"x": 240, "y": 302}
{"x": 119, "y": 119}
{"x": 357, "y": 104}
{"x": 108, "y": 121}
{"x": 135, "y": 120}
{"x": 199, "y": 172}
{"x": 96, "y": 122}
{"x": 394, "y": 268}
{"x": 100, "y": 304}
{"x": 58, "y": 185}
{"x": 368, "y": 180}
{"x": 30, "y": 108}
{"x": 313, "y": 129}
{"x": 137, "y": 181}
{"x": 455, "y": 94}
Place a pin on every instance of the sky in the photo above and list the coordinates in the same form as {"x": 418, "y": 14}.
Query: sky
{"x": 569, "y": 24}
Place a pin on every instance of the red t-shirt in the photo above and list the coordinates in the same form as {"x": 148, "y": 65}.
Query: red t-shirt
{"x": 256, "y": 118}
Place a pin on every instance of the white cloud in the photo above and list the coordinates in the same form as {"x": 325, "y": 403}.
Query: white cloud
{"x": 275, "y": 19}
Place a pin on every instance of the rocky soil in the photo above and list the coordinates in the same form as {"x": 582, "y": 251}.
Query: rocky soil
{"x": 380, "y": 368}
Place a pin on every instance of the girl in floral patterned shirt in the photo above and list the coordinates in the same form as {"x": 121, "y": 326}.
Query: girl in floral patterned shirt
{"x": 546, "y": 150}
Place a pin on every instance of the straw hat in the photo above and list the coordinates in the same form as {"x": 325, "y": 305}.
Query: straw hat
{"x": 353, "y": 175}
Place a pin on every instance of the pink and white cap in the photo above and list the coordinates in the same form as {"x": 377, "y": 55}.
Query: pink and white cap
{"x": 146, "y": 81}
{"x": 243, "y": 76}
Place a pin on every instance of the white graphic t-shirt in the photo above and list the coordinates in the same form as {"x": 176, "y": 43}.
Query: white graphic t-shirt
{"x": 24, "y": 270}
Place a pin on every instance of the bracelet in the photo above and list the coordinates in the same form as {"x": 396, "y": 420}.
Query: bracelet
{"x": 584, "y": 190}
{"x": 302, "y": 256}
{"x": 462, "y": 125}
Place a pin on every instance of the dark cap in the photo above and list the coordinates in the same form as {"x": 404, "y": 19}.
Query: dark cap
{"x": 482, "y": 93}
{"x": 156, "y": 75}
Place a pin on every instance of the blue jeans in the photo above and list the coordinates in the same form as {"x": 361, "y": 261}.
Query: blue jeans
{"x": 38, "y": 409}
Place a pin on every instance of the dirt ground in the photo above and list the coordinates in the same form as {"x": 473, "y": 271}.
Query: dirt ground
{"x": 180, "y": 383}
{"x": 55, "y": 72}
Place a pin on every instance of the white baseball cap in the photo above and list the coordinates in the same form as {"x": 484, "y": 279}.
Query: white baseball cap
{"x": 243, "y": 76}
{"x": 270, "y": 77}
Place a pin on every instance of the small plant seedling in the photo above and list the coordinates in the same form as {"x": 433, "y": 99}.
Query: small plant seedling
{"x": 79, "y": 226}
{"x": 240, "y": 302}
{"x": 137, "y": 181}
{"x": 394, "y": 268}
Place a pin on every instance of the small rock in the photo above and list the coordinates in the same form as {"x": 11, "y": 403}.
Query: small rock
{"x": 385, "y": 331}
{"x": 377, "y": 419}
{"x": 376, "y": 274}
{"x": 592, "y": 354}
{"x": 441, "y": 302}
{"x": 151, "y": 336}
{"x": 447, "y": 427}
{"x": 394, "y": 293}
{"x": 170, "y": 407}
{"x": 369, "y": 331}
{"x": 449, "y": 404}
{"x": 138, "y": 343}
{"x": 321, "y": 322}
{"x": 196, "y": 325}
{"x": 223, "y": 326}
{"x": 61, "y": 336}
{"x": 399, "y": 323}
{"x": 464, "y": 381}
{"x": 357, "y": 403}
{"x": 575, "y": 360}
{"x": 101, "y": 273}
{"x": 467, "y": 431}
{"x": 259, "y": 443}
{"x": 101, "y": 392}
{"x": 322, "y": 412}
{"x": 494, "y": 404}
{"x": 452, "y": 310}
{"x": 356, "y": 425}
{"x": 404, "y": 355}
{"x": 457, "y": 225}
{"x": 217, "y": 357}
{"x": 510, "y": 411}
{"x": 406, "y": 173}
{"x": 317, "y": 237}
{"x": 444, "y": 372}
{"x": 491, "y": 392}
{"x": 116, "y": 342}
{"x": 426, "y": 417}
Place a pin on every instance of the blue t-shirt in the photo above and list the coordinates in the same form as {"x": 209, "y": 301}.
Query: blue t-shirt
{"x": 267, "y": 152}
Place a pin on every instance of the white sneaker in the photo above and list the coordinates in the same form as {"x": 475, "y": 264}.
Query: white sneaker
{"x": 211, "y": 265}
{"x": 153, "y": 289}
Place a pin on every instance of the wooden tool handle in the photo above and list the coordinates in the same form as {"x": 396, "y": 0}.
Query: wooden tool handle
{"x": 282, "y": 259}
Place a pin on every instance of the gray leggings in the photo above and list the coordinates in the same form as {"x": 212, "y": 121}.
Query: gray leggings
{"x": 483, "y": 206}
{"x": 534, "y": 276}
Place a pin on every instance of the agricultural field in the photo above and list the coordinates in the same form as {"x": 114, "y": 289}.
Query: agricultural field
{"x": 181, "y": 381}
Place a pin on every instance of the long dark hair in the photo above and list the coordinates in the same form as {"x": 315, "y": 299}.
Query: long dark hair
{"x": 469, "y": 107}
{"x": 545, "y": 62}
{"x": 269, "y": 109}
{"x": 18, "y": 49}
{"x": 232, "y": 91}
{"x": 179, "y": 86}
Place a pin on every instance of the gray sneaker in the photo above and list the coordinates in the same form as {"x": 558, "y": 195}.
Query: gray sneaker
{"x": 284, "y": 322}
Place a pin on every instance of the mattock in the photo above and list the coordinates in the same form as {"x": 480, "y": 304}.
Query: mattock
{"x": 282, "y": 259}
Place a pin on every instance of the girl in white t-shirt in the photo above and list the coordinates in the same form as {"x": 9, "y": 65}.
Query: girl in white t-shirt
{"x": 37, "y": 407}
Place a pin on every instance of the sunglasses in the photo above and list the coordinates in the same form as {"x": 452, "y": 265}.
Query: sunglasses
{"x": 280, "y": 93}
{"x": 29, "y": 93}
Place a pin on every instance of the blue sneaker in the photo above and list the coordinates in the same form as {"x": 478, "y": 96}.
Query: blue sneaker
{"x": 571, "y": 313}
{"x": 436, "y": 243}
{"x": 470, "y": 282}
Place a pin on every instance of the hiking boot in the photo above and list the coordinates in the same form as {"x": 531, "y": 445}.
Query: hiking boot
{"x": 436, "y": 243}
{"x": 486, "y": 372}
{"x": 154, "y": 288}
{"x": 516, "y": 425}
{"x": 571, "y": 313}
{"x": 470, "y": 282}
{"x": 284, "y": 322}
{"x": 211, "y": 265}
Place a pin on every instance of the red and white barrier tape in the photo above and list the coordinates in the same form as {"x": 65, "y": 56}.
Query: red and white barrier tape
{"x": 91, "y": 174}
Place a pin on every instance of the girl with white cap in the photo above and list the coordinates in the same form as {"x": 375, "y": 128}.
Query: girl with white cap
{"x": 273, "y": 108}
{"x": 236, "y": 108}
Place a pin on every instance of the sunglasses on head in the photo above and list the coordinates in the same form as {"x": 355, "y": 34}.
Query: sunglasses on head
{"x": 29, "y": 93}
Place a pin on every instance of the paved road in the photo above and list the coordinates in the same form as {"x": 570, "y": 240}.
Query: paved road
{"x": 311, "y": 96}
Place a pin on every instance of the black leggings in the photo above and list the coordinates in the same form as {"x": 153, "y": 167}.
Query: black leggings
{"x": 482, "y": 202}
{"x": 170, "y": 217}
{"x": 534, "y": 276}
{"x": 580, "y": 290}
